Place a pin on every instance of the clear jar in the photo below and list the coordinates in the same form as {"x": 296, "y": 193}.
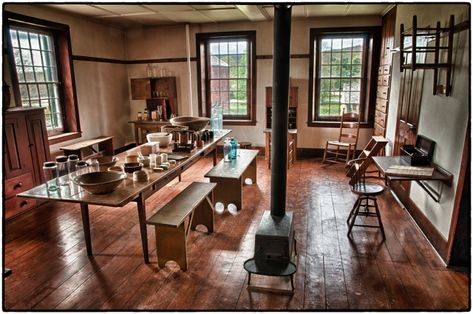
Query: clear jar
{"x": 81, "y": 167}
{"x": 140, "y": 116}
{"x": 63, "y": 170}
{"x": 94, "y": 165}
{"x": 51, "y": 174}
{"x": 72, "y": 163}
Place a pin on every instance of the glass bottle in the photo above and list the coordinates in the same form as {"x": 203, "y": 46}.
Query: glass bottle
{"x": 94, "y": 165}
{"x": 63, "y": 170}
{"x": 226, "y": 150}
{"x": 233, "y": 149}
{"x": 140, "y": 116}
{"x": 145, "y": 114}
{"x": 81, "y": 167}
{"x": 51, "y": 175}
{"x": 149, "y": 70}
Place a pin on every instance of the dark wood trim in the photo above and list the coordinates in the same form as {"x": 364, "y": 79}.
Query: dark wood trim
{"x": 462, "y": 26}
{"x": 96, "y": 59}
{"x": 458, "y": 193}
{"x": 238, "y": 122}
{"x": 56, "y": 139}
{"x": 368, "y": 90}
{"x": 264, "y": 57}
{"x": 293, "y": 56}
{"x": 117, "y": 61}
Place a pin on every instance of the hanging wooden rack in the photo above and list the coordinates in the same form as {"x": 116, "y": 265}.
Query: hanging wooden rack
{"x": 435, "y": 33}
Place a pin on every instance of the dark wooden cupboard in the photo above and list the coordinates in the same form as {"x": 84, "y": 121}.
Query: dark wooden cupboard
{"x": 25, "y": 150}
{"x": 156, "y": 90}
{"x": 292, "y": 107}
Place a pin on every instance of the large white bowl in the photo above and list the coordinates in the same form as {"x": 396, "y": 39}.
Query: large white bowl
{"x": 163, "y": 138}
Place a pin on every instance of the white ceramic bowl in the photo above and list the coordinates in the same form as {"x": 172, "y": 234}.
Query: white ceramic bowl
{"x": 163, "y": 138}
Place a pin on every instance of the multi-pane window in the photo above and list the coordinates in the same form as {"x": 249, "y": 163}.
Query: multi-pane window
{"x": 227, "y": 74}
{"x": 338, "y": 81}
{"x": 340, "y": 75}
{"x": 37, "y": 73}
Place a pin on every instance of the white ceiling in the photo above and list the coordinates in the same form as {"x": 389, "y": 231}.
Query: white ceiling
{"x": 136, "y": 15}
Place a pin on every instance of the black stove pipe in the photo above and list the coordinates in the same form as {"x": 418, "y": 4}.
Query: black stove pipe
{"x": 281, "y": 59}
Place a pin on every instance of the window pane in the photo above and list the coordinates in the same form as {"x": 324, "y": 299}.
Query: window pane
{"x": 26, "y": 56}
{"x": 37, "y": 58}
{"x": 34, "y": 40}
{"x": 346, "y": 70}
{"x": 326, "y": 57}
{"x": 24, "y": 42}
{"x": 17, "y": 56}
{"x": 324, "y": 85}
{"x": 29, "y": 74}
{"x": 43, "y": 91}
{"x": 325, "y": 72}
{"x": 355, "y": 85}
{"x": 336, "y": 71}
{"x": 336, "y": 57}
{"x": 347, "y": 43}
{"x": 326, "y": 45}
{"x": 232, "y": 48}
{"x": 21, "y": 75}
{"x": 345, "y": 85}
{"x": 14, "y": 39}
{"x": 24, "y": 93}
{"x": 242, "y": 47}
{"x": 358, "y": 44}
{"x": 356, "y": 57}
{"x": 39, "y": 72}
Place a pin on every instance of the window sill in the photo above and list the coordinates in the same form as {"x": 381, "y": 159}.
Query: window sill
{"x": 55, "y": 139}
{"x": 336, "y": 124}
{"x": 239, "y": 122}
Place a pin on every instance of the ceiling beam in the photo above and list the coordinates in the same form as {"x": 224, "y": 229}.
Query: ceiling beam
{"x": 254, "y": 13}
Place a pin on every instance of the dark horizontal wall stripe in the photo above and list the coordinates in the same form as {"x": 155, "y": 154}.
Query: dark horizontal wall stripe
{"x": 163, "y": 60}
{"x": 166, "y": 60}
{"x": 95, "y": 59}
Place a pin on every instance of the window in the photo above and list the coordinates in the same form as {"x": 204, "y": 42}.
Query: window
{"x": 42, "y": 73}
{"x": 226, "y": 75}
{"x": 342, "y": 64}
{"x": 36, "y": 70}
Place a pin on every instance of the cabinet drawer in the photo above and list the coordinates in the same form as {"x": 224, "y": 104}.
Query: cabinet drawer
{"x": 382, "y": 105}
{"x": 382, "y": 92}
{"x": 384, "y": 70}
{"x": 380, "y": 118}
{"x": 17, "y": 205}
{"x": 378, "y": 130}
{"x": 18, "y": 184}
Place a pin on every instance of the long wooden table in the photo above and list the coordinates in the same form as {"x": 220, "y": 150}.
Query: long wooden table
{"x": 128, "y": 191}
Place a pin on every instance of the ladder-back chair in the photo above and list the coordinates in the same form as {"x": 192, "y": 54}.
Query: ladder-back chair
{"x": 344, "y": 149}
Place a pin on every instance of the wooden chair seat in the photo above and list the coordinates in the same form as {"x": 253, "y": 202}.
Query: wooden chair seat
{"x": 367, "y": 189}
{"x": 337, "y": 143}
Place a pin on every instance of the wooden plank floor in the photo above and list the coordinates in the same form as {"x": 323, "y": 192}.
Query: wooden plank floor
{"x": 51, "y": 270}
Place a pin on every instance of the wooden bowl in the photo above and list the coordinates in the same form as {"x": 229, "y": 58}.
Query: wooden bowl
{"x": 100, "y": 182}
{"x": 106, "y": 161}
{"x": 194, "y": 123}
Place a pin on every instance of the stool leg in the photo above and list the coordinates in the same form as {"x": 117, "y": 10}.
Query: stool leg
{"x": 379, "y": 218}
{"x": 353, "y": 208}
{"x": 357, "y": 209}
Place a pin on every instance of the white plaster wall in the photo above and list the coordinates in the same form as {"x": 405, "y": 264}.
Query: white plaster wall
{"x": 102, "y": 88}
{"x": 170, "y": 42}
{"x": 443, "y": 119}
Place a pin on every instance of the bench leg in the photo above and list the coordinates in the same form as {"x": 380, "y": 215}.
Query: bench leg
{"x": 204, "y": 214}
{"x": 250, "y": 172}
{"x": 84, "y": 208}
{"x": 171, "y": 245}
{"x": 228, "y": 191}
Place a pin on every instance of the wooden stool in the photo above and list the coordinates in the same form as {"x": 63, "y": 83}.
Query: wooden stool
{"x": 366, "y": 192}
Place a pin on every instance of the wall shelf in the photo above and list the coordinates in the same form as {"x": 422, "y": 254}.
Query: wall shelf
{"x": 415, "y": 55}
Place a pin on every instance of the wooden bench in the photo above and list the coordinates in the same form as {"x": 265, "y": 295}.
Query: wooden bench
{"x": 230, "y": 177}
{"x": 85, "y": 149}
{"x": 171, "y": 229}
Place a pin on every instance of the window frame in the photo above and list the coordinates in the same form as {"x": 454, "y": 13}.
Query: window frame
{"x": 369, "y": 73}
{"x": 203, "y": 81}
{"x": 65, "y": 71}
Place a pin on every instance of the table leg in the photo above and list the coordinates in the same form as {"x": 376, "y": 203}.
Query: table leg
{"x": 140, "y": 205}
{"x": 251, "y": 172}
{"x": 214, "y": 155}
{"x": 84, "y": 208}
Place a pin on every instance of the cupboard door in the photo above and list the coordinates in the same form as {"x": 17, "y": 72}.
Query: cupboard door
{"x": 17, "y": 158}
{"x": 140, "y": 89}
{"x": 39, "y": 145}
